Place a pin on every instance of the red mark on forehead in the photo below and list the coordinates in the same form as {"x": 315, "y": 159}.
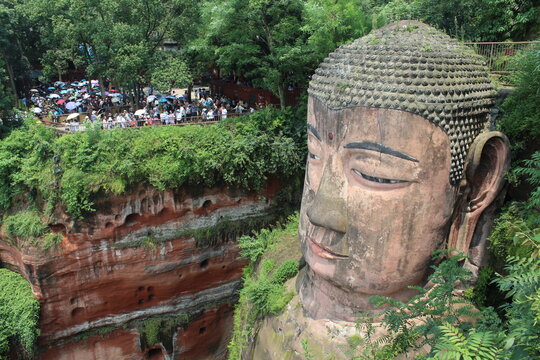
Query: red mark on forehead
{"x": 330, "y": 136}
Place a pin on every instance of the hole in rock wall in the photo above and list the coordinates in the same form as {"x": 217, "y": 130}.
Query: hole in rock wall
{"x": 151, "y": 297}
{"x": 132, "y": 219}
{"x": 204, "y": 264}
{"x": 140, "y": 288}
{"x": 77, "y": 312}
{"x": 202, "y": 330}
{"x": 58, "y": 228}
{"x": 141, "y": 301}
{"x": 155, "y": 354}
{"x": 150, "y": 289}
{"x": 109, "y": 225}
{"x": 144, "y": 205}
{"x": 207, "y": 204}
{"x": 72, "y": 301}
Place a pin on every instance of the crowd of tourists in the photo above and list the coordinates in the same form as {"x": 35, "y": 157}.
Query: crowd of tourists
{"x": 78, "y": 102}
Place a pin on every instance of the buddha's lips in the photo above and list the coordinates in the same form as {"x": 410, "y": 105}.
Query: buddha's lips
{"x": 323, "y": 252}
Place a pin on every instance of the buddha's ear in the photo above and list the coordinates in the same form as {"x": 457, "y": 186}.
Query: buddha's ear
{"x": 484, "y": 176}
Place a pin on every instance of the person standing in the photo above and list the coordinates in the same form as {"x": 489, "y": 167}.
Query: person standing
{"x": 223, "y": 112}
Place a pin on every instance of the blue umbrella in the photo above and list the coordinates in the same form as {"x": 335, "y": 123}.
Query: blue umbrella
{"x": 171, "y": 97}
{"x": 51, "y": 88}
{"x": 63, "y": 92}
{"x": 163, "y": 100}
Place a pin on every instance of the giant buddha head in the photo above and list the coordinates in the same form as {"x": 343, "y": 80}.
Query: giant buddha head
{"x": 401, "y": 163}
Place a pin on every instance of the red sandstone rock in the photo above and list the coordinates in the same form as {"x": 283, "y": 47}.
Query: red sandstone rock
{"x": 103, "y": 276}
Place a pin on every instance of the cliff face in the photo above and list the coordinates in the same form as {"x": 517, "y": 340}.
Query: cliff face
{"x": 151, "y": 274}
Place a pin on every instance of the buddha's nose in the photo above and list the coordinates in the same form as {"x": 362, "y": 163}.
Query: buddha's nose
{"x": 328, "y": 207}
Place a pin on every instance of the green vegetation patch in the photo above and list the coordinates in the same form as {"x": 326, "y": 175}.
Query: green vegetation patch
{"x": 77, "y": 168}
{"x": 274, "y": 258}
{"x": 19, "y": 314}
{"x": 40, "y": 170}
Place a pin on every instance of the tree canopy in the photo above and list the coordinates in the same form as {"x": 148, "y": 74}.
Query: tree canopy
{"x": 271, "y": 44}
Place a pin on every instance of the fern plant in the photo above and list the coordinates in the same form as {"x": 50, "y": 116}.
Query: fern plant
{"x": 455, "y": 344}
{"x": 418, "y": 322}
{"x": 522, "y": 286}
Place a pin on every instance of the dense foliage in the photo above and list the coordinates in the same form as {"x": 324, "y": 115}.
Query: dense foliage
{"x": 39, "y": 168}
{"x": 521, "y": 120}
{"x": 275, "y": 44}
{"x": 469, "y": 20}
{"x": 19, "y": 314}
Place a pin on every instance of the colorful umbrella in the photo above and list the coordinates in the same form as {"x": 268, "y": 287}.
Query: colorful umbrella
{"x": 72, "y": 116}
{"x": 71, "y": 105}
{"x": 61, "y": 101}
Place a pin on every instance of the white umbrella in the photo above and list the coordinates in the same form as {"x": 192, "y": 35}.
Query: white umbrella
{"x": 71, "y": 105}
{"x": 140, "y": 112}
{"x": 151, "y": 98}
{"x": 36, "y": 110}
{"x": 72, "y": 116}
{"x": 115, "y": 95}
{"x": 54, "y": 96}
{"x": 115, "y": 99}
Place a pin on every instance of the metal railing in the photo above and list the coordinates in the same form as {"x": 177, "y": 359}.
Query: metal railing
{"x": 64, "y": 126}
{"x": 499, "y": 54}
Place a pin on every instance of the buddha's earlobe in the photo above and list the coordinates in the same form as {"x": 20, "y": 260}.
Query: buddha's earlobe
{"x": 484, "y": 176}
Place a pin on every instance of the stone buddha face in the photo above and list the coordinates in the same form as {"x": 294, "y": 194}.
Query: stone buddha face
{"x": 385, "y": 186}
{"x": 377, "y": 198}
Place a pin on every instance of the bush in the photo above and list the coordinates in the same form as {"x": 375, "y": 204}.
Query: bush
{"x": 77, "y": 168}
{"x": 521, "y": 111}
{"x": 19, "y": 314}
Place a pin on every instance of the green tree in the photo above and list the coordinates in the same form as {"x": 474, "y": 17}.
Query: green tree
{"x": 171, "y": 72}
{"x": 262, "y": 40}
{"x": 470, "y": 20}
{"x": 521, "y": 110}
{"x": 115, "y": 39}
{"x": 331, "y": 23}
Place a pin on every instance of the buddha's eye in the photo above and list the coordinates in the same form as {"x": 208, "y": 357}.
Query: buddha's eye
{"x": 377, "y": 179}
{"x": 313, "y": 156}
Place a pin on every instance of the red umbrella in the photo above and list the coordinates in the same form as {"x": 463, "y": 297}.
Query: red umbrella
{"x": 112, "y": 90}
{"x": 61, "y": 101}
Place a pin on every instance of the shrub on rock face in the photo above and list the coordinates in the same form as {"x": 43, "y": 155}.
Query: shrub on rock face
{"x": 19, "y": 314}
{"x": 37, "y": 166}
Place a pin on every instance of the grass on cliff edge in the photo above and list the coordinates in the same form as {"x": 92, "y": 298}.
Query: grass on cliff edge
{"x": 19, "y": 314}
{"x": 274, "y": 258}
{"x": 40, "y": 170}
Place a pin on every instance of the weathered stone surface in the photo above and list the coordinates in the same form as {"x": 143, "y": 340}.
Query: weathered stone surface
{"x": 139, "y": 256}
{"x": 401, "y": 163}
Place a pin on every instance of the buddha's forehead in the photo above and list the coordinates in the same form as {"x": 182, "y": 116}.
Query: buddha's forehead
{"x": 383, "y": 126}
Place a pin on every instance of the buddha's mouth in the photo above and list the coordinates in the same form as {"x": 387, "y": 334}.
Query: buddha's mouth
{"x": 324, "y": 252}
